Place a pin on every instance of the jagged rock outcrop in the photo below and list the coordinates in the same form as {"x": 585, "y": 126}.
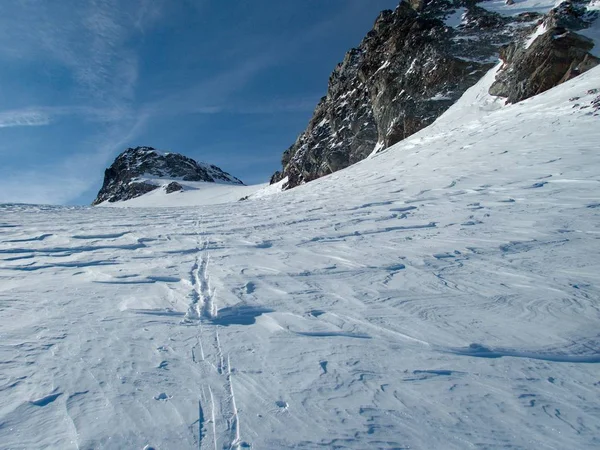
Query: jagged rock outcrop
{"x": 173, "y": 186}
{"x": 138, "y": 171}
{"x": 556, "y": 55}
{"x": 414, "y": 64}
{"x": 410, "y": 68}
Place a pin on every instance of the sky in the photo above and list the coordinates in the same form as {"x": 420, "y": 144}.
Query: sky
{"x": 227, "y": 83}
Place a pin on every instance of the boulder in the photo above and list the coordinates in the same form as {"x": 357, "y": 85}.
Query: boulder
{"x": 174, "y": 186}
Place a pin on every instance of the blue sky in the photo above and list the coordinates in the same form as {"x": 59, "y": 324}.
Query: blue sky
{"x": 228, "y": 83}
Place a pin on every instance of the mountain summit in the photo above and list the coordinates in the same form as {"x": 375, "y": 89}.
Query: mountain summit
{"x": 140, "y": 170}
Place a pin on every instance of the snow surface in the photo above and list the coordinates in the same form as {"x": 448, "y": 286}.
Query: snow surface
{"x": 195, "y": 193}
{"x": 455, "y": 18}
{"x": 539, "y": 30}
{"x": 443, "y": 294}
{"x": 519, "y": 6}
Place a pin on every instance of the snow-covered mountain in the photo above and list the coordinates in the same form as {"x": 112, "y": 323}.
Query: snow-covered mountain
{"x": 444, "y": 293}
{"x": 138, "y": 171}
{"x": 420, "y": 58}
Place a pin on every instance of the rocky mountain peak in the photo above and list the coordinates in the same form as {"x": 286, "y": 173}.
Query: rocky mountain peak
{"x": 139, "y": 170}
{"x": 417, "y": 61}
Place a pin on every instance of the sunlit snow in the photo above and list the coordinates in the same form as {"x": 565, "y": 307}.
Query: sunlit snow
{"x": 519, "y": 6}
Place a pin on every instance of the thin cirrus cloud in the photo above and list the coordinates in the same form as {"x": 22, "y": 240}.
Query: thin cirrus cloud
{"x": 90, "y": 39}
{"x": 46, "y": 115}
{"x": 86, "y": 37}
{"x": 23, "y": 118}
{"x": 214, "y": 93}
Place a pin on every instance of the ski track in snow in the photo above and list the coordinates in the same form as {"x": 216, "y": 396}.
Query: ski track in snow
{"x": 425, "y": 298}
{"x": 217, "y": 377}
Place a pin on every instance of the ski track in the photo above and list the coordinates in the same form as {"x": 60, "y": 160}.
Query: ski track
{"x": 202, "y": 311}
{"x": 224, "y": 419}
{"x": 391, "y": 305}
{"x": 202, "y": 305}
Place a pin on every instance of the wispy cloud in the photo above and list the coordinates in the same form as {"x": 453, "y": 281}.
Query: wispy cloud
{"x": 211, "y": 94}
{"x": 90, "y": 38}
{"x": 172, "y": 107}
{"x": 306, "y": 103}
{"x": 33, "y": 186}
{"x": 250, "y": 58}
{"x": 46, "y": 115}
{"x": 23, "y": 118}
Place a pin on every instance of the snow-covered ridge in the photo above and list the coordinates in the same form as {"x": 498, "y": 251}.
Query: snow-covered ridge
{"x": 192, "y": 194}
{"x": 148, "y": 162}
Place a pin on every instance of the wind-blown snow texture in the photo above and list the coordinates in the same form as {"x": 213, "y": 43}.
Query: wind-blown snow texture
{"x": 442, "y": 294}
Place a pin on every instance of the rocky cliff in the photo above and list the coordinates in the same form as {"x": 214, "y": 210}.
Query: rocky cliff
{"x": 554, "y": 53}
{"x": 138, "y": 170}
{"x": 417, "y": 61}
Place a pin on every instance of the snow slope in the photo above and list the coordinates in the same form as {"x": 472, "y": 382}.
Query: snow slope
{"x": 519, "y": 6}
{"x": 442, "y": 294}
{"x": 195, "y": 193}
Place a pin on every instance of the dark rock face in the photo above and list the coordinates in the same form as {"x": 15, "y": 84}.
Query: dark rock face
{"x": 554, "y": 57}
{"x": 173, "y": 186}
{"x": 123, "y": 180}
{"x": 413, "y": 65}
{"x": 410, "y": 68}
